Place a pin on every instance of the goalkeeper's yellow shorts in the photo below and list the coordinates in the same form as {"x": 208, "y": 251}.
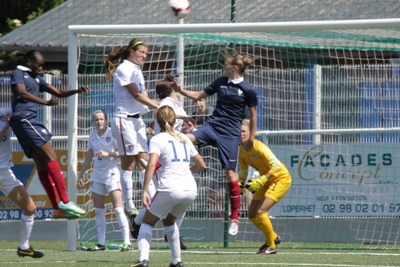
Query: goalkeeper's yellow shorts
{"x": 276, "y": 190}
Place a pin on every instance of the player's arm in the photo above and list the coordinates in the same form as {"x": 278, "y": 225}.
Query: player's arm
{"x": 65, "y": 93}
{"x": 86, "y": 165}
{"x": 142, "y": 98}
{"x": 253, "y": 124}
{"x": 21, "y": 91}
{"x": 266, "y": 155}
{"x": 195, "y": 95}
{"x": 198, "y": 165}
{"x": 4, "y": 131}
{"x": 243, "y": 172}
{"x": 151, "y": 166}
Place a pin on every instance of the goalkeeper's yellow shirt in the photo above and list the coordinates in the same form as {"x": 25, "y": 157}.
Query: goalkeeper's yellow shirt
{"x": 261, "y": 158}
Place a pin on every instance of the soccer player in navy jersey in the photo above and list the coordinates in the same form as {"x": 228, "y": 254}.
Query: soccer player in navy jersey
{"x": 26, "y": 84}
{"x": 222, "y": 130}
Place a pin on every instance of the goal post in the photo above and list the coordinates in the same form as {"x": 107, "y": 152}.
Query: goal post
{"x": 329, "y": 95}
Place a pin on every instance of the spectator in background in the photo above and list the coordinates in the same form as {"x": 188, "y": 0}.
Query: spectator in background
{"x": 15, "y": 190}
{"x": 202, "y": 111}
{"x": 131, "y": 102}
{"x": 222, "y": 129}
{"x": 26, "y": 84}
{"x": 105, "y": 179}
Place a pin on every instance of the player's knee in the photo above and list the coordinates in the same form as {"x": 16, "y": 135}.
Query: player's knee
{"x": 30, "y": 208}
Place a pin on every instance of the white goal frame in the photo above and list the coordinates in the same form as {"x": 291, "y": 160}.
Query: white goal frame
{"x": 74, "y": 30}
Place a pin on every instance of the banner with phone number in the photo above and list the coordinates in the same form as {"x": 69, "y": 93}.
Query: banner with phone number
{"x": 340, "y": 180}
{"x": 25, "y": 170}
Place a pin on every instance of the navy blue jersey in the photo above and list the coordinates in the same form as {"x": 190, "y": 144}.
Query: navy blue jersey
{"x": 232, "y": 100}
{"x": 21, "y": 108}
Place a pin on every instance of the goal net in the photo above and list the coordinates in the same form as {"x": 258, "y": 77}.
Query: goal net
{"x": 329, "y": 105}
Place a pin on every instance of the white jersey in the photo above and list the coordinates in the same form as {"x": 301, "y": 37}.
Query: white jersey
{"x": 125, "y": 103}
{"x": 175, "y": 159}
{"x": 176, "y": 105}
{"x": 106, "y": 167}
{"x": 5, "y": 143}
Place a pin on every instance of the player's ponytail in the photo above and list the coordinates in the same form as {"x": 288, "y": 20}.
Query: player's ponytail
{"x": 166, "y": 118}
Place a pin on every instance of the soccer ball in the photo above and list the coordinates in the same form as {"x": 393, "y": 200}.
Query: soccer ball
{"x": 179, "y": 9}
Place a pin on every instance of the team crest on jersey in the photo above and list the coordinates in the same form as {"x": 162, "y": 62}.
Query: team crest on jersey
{"x": 108, "y": 139}
{"x": 240, "y": 92}
{"x": 254, "y": 157}
{"x": 37, "y": 79}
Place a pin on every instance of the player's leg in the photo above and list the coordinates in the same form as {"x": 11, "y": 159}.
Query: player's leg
{"x": 99, "y": 192}
{"x": 124, "y": 133}
{"x": 16, "y": 192}
{"x": 45, "y": 179}
{"x": 144, "y": 237}
{"x": 116, "y": 198}
{"x": 49, "y": 162}
{"x": 183, "y": 199}
{"x": 258, "y": 215}
{"x": 228, "y": 149}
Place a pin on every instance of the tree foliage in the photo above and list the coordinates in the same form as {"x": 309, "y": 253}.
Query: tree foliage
{"x": 15, "y": 13}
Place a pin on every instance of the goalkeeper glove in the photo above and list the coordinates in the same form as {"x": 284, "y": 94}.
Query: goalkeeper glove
{"x": 242, "y": 186}
{"x": 254, "y": 185}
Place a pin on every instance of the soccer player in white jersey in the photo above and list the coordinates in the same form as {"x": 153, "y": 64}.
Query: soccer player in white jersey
{"x": 131, "y": 101}
{"x": 183, "y": 124}
{"x": 105, "y": 179}
{"x": 177, "y": 188}
{"x": 14, "y": 189}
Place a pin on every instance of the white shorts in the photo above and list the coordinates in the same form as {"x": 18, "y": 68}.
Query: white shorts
{"x": 8, "y": 181}
{"x": 130, "y": 134}
{"x": 104, "y": 189}
{"x": 174, "y": 202}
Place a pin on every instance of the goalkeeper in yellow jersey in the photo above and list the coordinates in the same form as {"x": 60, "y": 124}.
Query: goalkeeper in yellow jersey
{"x": 267, "y": 190}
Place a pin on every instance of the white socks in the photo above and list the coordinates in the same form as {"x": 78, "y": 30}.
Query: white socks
{"x": 172, "y": 233}
{"x": 25, "y": 231}
{"x": 127, "y": 192}
{"x": 123, "y": 224}
{"x": 101, "y": 225}
{"x": 144, "y": 240}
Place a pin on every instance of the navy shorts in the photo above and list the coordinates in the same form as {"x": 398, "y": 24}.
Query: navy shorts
{"x": 227, "y": 145}
{"x": 31, "y": 135}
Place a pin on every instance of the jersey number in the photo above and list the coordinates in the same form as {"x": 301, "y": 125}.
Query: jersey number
{"x": 176, "y": 159}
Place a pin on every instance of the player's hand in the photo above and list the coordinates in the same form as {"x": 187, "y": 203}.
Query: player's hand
{"x": 84, "y": 89}
{"x": 53, "y": 101}
{"x": 81, "y": 182}
{"x": 102, "y": 154}
{"x": 146, "y": 199}
{"x": 242, "y": 183}
{"x": 254, "y": 185}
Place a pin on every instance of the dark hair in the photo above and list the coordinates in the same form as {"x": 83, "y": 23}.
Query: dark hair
{"x": 31, "y": 55}
{"x": 163, "y": 87}
{"x": 122, "y": 53}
